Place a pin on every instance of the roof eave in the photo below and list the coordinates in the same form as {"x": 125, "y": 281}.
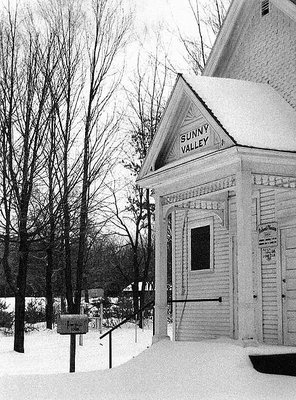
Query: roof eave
{"x": 223, "y": 158}
{"x": 223, "y": 36}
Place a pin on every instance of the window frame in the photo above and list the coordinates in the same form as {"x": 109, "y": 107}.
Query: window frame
{"x": 199, "y": 224}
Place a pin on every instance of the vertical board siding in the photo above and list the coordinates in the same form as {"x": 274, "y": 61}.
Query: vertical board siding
{"x": 195, "y": 321}
{"x": 270, "y": 311}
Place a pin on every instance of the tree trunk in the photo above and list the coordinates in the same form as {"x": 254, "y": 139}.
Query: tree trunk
{"x": 19, "y": 325}
{"x": 82, "y": 240}
{"x": 135, "y": 297}
{"x": 67, "y": 245}
{"x": 135, "y": 285}
{"x": 63, "y": 305}
{"x": 21, "y": 290}
{"x": 49, "y": 295}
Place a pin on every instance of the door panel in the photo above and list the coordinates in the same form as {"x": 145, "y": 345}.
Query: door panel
{"x": 288, "y": 263}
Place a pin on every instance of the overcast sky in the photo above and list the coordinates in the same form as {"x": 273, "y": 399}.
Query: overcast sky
{"x": 173, "y": 15}
{"x": 170, "y": 15}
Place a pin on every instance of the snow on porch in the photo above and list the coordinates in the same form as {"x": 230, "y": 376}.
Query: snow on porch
{"x": 216, "y": 369}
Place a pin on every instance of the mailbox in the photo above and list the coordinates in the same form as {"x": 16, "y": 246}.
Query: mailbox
{"x": 72, "y": 324}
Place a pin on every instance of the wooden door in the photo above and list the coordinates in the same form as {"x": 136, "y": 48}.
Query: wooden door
{"x": 288, "y": 284}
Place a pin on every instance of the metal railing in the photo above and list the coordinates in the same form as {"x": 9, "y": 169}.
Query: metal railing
{"x": 219, "y": 299}
{"x": 132, "y": 316}
{"x": 149, "y": 304}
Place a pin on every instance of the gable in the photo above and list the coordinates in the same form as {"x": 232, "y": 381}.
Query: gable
{"x": 188, "y": 129}
{"x": 258, "y": 48}
{"x": 198, "y": 134}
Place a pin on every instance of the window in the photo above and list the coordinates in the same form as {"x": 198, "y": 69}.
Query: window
{"x": 201, "y": 246}
{"x": 264, "y": 7}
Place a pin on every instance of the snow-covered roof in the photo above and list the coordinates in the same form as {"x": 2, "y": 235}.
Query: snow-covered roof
{"x": 253, "y": 114}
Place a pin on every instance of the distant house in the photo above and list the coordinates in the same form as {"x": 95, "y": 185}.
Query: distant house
{"x": 223, "y": 164}
{"x": 128, "y": 290}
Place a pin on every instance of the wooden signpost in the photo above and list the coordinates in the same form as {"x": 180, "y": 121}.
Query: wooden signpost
{"x": 72, "y": 324}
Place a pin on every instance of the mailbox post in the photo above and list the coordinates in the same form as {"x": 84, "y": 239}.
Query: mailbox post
{"x": 72, "y": 324}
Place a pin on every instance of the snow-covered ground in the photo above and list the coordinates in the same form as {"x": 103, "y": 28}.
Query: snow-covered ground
{"x": 214, "y": 369}
{"x": 47, "y": 352}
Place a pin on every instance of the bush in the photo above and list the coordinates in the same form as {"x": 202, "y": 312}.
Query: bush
{"x": 35, "y": 312}
{"x": 6, "y": 317}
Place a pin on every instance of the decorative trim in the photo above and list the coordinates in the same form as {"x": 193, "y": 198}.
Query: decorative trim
{"x": 203, "y": 205}
{"x": 173, "y": 154}
{"x": 277, "y": 181}
{"x": 211, "y": 187}
{"x": 217, "y": 207}
{"x": 192, "y": 115}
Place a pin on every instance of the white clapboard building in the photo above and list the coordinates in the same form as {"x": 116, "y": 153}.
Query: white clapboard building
{"x": 223, "y": 164}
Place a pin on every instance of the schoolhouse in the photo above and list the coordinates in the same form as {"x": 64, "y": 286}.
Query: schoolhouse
{"x": 223, "y": 166}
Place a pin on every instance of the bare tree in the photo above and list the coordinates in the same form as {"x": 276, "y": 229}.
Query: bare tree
{"x": 26, "y": 71}
{"x": 91, "y": 36}
{"x": 208, "y": 19}
{"x": 146, "y": 95}
{"x": 57, "y": 80}
{"x": 110, "y": 28}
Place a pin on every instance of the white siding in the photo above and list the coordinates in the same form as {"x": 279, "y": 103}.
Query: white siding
{"x": 285, "y": 204}
{"x": 195, "y": 321}
{"x": 266, "y": 53}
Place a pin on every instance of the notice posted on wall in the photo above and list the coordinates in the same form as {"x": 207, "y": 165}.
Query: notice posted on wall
{"x": 268, "y": 235}
{"x": 268, "y": 255}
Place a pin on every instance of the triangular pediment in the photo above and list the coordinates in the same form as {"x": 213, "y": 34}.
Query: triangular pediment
{"x": 195, "y": 133}
{"x": 188, "y": 130}
{"x": 196, "y": 136}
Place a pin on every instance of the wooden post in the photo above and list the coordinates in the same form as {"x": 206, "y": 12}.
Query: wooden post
{"x": 110, "y": 350}
{"x": 81, "y": 336}
{"x": 101, "y": 316}
{"x": 160, "y": 272}
{"x": 72, "y": 351}
{"x": 246, "y": 316}
{"x": 72, "y": 324}
{"x": 136, "y": 332}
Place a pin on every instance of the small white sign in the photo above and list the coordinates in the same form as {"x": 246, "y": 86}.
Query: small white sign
{"x": 268, "y": 235}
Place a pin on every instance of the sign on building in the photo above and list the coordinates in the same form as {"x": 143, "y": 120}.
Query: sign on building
{"x": 199, "y": 138}
{"x": 268, "y": 255}
{"x": 268, "y": 235}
